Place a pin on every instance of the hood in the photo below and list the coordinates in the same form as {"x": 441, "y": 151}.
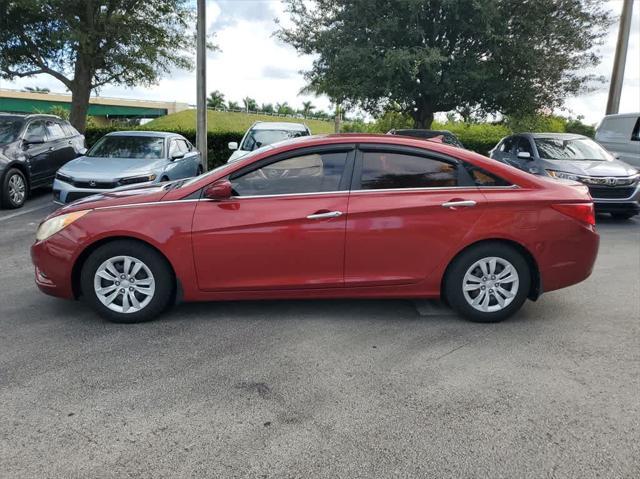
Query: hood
{"x": 109, "y": 169}
{"x": 590, "y": 168}
{"x": 126, "y": 195}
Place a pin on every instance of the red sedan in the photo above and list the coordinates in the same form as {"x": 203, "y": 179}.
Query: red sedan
{"x": 358, "y": 216}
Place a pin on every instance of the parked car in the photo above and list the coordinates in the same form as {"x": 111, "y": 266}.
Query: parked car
{"x": 613, "y": 184}
{"x": 32, "y": 148}
{"x": 620, "y": 135}
{"x": 444, "y": 136}
{"x": 126, "y": 158}
{"x": 364, "y": 216}
{"x": 264, "y": 133}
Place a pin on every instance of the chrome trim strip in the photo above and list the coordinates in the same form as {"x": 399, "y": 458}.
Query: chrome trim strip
{"x": 150, "y": 203}
{"x": 316, "y": 193}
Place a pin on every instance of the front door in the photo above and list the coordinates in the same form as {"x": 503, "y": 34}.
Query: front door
{"x": 38, "y": 153}
{"x": 407, "y": 213}
{"x": 283, "y": 228}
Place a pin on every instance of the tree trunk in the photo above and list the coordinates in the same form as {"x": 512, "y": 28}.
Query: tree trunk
{"x": 422, "y": 117}
{"x": 80, "y": 94}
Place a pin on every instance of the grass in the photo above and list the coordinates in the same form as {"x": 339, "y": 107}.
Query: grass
{"x": 223, "y": 121}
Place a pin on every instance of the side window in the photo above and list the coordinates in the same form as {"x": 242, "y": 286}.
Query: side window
{"x": 312, "y": 173}
{"x": 174, "y": 149}
{"x": 54, "y": 130}
{"x": 635, "y": 134}
{"x": 381, "y": 170}
{"x": 484, "y": 178}
{"x": 69, "y": 130}
{"x": 524, "y": 145}
{"x": 184, "y": 146}
{"x": 507, "y": 145}
{"x": 36, "y": 129}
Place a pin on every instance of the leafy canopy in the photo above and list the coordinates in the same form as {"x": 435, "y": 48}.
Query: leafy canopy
{"x": 425, "y": 56}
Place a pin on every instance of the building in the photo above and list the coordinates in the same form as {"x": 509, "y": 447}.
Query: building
{"x": 102, "y": 109}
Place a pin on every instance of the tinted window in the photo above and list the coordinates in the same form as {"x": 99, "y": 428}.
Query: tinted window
{"x": 120, "y": 146}
{"x": 507, "y": 145}
{"x": 397, "y": 170}
{"x": 310, "y": 173}
{"x": 570, "y": 149}
{"x": 524, "y": 145}
{"x": 9, "y": 129}
{"x": 36, "y": 129}
{"x": 484, "y": 178}
{"x": 54, "y": 130}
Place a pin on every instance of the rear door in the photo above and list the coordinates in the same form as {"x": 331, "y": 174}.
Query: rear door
{"x": 408, "y": 210}
{"x": 284, "y": 228}
{"x": 61, "y": 146}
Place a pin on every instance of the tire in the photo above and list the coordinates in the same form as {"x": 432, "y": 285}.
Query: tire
{"x": 14, "y": 189}
{"x": 153, "y": 285}
{"x": 466, "y": 270}
{"x": 623, "y": 216}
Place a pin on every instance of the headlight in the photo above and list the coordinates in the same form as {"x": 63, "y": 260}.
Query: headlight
{"x": 58, "y": 223}
{"x": 562, "y": 174}
{"x": 65, "y": 178}
{"x": 137, "y": 179}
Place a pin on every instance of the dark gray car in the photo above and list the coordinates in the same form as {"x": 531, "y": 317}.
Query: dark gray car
{"x": 614, "y": 185}
{"x": 32, "y": 149}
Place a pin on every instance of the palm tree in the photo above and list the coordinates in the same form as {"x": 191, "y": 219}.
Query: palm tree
{"x": 215, "y": 100}
{"x": 307, "y": 107}
{"x": 283, "y": 108}
{"x": 249, "y": 104}
{"x": 233, "y": 105}
{"x": 36, "y": 89}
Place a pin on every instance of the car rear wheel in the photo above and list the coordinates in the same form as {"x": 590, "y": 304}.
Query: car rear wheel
{"x": 488, "y": 282}
{"x": 127, "y": 282}
{"x": 14, "y": 189}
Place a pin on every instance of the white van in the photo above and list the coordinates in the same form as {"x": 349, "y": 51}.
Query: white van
{"x": 620, "y": 135}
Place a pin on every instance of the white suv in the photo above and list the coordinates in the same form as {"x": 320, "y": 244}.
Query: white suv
{"x": 620, "y": 135}
{"x": 264, "y": 133}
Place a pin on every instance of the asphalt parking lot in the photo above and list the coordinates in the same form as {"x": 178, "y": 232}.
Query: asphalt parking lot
{"x": 321, "y": 388}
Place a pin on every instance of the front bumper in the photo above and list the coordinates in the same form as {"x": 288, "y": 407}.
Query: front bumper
{"x": 64, "y": 193}
{"x": 53, "y": 260}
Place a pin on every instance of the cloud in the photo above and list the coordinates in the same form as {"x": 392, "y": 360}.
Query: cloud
{"x": 232, "y": 11}
{"x": 278, "y": 73}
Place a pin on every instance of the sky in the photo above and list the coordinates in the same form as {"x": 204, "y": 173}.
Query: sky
{"x": 252, "y": 62}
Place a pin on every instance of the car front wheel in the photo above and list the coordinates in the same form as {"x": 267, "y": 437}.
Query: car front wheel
{"x": 127, "y": 282}
{"x": 14, "y": 189}
{"x": 488, "y": 282}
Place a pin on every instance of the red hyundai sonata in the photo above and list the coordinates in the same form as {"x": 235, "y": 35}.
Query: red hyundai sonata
{"x": 358, "y": 216}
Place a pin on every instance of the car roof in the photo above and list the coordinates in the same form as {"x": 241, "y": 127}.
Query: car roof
{"x": 623, "y": 115}
{"x": 24, "y": 116}
{"x": 419, "y": 130}
{"x": 279, "y": 125}
{"x": 159, "y": 134}
{"x": 563, "y": 136}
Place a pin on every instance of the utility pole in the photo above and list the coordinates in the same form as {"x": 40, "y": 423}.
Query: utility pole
{"x": 617, "y": 75}
{"x": 201, "y": 83}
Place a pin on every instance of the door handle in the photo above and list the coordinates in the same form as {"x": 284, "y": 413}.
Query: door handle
{"x": 328, "y": 214}
{"x": 51, "y": 148}
{"x": 459, "y": 204}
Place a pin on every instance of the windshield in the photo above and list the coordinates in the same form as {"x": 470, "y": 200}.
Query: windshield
{"x": 257, "y": 138}
{"x": 9, "y": 129}
{"x": 138, "y": 147}
{"x": 570, "y": 149}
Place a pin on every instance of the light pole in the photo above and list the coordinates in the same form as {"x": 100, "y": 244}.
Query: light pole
{"x": 617, "y": 75}
{"x": 201, "y": 83}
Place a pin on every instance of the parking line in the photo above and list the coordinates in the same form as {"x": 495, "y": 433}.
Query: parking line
{"x": 25, "y": 212}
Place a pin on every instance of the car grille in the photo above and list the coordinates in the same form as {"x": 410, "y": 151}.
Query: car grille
{"x": 76, "y": 195}
{"x": 94, "y": 184}
{"x": 610, "y": 192}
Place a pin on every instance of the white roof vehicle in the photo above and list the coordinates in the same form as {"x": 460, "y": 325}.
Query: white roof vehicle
{"x": 264, "y": 133}
{"x": 620, "y": 135}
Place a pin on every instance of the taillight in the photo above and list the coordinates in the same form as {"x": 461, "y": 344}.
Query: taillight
{"x": 582, "y": 212}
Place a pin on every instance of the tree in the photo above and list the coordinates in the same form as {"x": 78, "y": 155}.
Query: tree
{"x": 433, "y": 55}
{"x": 86, "y": 44}
{"x": 215, "y": 100}
{"x": 36, "y": 89}
{"x": 233, "y": 105}
{"x": 266, "y": 107}
{"x": 249, "y": 104}
{"x": 283, "y": 108}
{"x": 307, "y": 108}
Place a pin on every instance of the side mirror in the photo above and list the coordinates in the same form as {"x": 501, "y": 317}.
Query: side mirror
{"x": 33, "y": 139}
{"x": 177, "y": 156}
{"x": 524, "y": 155}
{"x": 220, "y": 190}
{"x": 233, "y": 145}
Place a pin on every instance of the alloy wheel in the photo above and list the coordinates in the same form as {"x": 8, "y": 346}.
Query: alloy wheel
{"x": 490, "y": 284}
{"x": 124, "y": 284}
{"x": 17, "y": 189}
